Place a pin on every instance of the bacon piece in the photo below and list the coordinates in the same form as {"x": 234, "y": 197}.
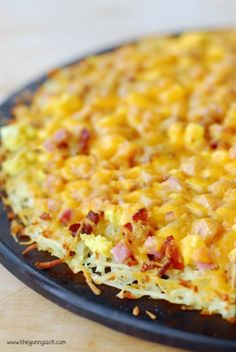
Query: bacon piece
{"x": 132, "y": 261}
{"x": 94, "y": 217}
{"x": 164, "y": 268}
{"x": 121, "y": 252}
{"x": 147, "y": 266}
{"x": 172, "y": 252}
{"x": 87, "y": 228}
{"x": 45, "y": 216}
{"x": 141, "y": 215}
{"x": 66, "y": 216}
{"x": 72, "y": 253}
{"x": 177, "y": 259}
{"x": 101, "y": 214}
{"x": 151, "y": 257}
{"x": 84, "y": 140}
{"x": 165, "y": 245}
{"x": 129, "y": 226}
{"x": 74, "y": 228}
{"x": 168, "y": 250}
{"x": 214, "y": 145}
{"x": 48, "y": 265}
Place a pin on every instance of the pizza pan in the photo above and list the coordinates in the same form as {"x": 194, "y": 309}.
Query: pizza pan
{"x": 173, "y": 326}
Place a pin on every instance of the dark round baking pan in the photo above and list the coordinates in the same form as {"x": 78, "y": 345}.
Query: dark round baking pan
{"x": 173, "y": 326}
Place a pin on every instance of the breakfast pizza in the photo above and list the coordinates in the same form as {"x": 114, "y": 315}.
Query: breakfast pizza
{"x": 123, "y": 166}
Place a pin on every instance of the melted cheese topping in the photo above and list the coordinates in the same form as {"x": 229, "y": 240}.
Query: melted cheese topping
{"x": 148, "y": 126}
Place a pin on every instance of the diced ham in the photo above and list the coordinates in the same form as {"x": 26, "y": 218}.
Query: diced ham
{"x": 169, "y": 216}
{"x": 121, "y": 252}
{"x": 173, "y": 184}
{"x": 219, "y": 187}
{"x": 53, "y": 205}
{"x": 150, "y": 246}
{"x": 150, "y": 243}
{"x": 51, "y": 181}
{"x": 205, "y": 266}
{"x": 60, "y": 136}
{"x": 232, "y": 152}
{"x": 207, "y": 228}
{"x": 84, "y": 139}
{"x": 191, "y": 166}
{"x": 66, "y": 216}
{"x": 49, "y": 145}
{"x": 207, "y": 200}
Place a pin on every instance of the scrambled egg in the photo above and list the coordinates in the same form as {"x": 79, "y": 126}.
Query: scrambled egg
{"x": 127, "y": 161}
{"x": 97, "y": 244}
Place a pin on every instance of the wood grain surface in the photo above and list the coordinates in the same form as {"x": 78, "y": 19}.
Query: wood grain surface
{"x": 36, "y": 35}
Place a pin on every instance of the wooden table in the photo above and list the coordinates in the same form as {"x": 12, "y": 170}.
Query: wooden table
{"x": 34, "y": 36}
